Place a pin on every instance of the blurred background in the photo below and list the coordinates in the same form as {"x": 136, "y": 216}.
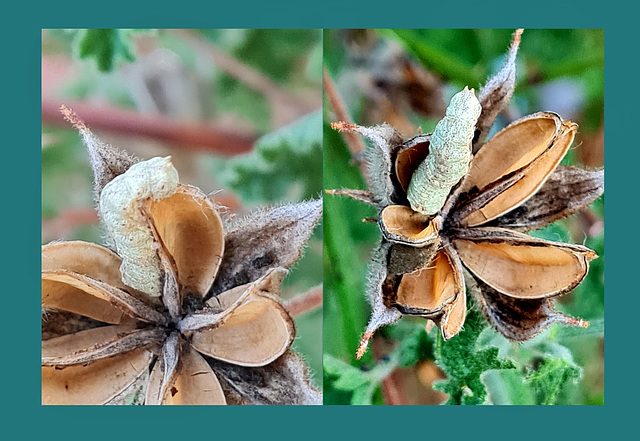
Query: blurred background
{"x": 406, "y": 78}
{"x": 239, "y": 111}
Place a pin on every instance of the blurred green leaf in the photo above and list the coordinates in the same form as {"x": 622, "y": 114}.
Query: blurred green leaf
{"x": 363, "y": 395}
{"x": 346, "y": 377}
{"x": 437, "y": 59}
{"x": 314, "y": 63}
{"x": 415, "y": 347}
{"x": 274, "y": 52}
{"x": 105, "y": 46}
{"x": 66, "y": 174}
{"x": 231, "y": 96}
{"x": 289, "y": 157}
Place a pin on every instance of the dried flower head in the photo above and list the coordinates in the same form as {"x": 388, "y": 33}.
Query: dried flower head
{"x": 472, "y": 238}
{"x": 183, "y": 309}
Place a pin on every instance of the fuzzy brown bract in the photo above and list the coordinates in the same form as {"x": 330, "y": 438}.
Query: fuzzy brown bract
{"x": 475, "y": 243}
{"x": 210, "y": 324}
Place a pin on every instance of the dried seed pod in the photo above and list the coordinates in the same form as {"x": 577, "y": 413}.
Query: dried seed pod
{"x": 165, "y": 371}
{"x": 177, "y": 219}
{"x": 435, "y": 291}
{"x": 106, "y": 160}
{"x": 495, "y": 95}
{"x": 409, "y": 158}
{"x": 567, "y": 190}
{"x": 93, "y": 383}
{"x": 519, "y": 319}
{"x": 127, "y": 227}
{"x": 83, "y": 295}
{"x": 424, "y": 291}
{"x": 381, "y": 314}
{"x": 254, "y": 334}
{"x": 400, "y": 224}
{"x": 285, "y": 381}
{"x": 196, "y": 383}
{"x": 405, "y": 259}
{"x": 385, "y": 141}
{"x": 449, "y": 155}
{"x": 519, "y": 265}
{"x": 524, "y": 154}
{"x": 249, "y": 248}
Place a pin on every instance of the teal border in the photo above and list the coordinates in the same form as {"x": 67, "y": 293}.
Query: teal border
{"x": 21, "y": 227}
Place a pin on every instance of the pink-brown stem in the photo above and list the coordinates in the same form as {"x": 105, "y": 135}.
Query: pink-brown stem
{"x": 195, "y": 136}
{"x": 354, "y": 142}
{"x": 304, "y": 303}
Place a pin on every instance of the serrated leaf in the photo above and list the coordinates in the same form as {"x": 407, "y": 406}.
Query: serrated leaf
{"x": 463, "y": 363}
{"x": 550, "y": 376}
{"x": 287, "y": 158}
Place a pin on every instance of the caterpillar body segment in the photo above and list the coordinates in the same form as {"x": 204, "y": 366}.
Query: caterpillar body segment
{"x": 449, "y": 155}
{"x": 120, "y": 208}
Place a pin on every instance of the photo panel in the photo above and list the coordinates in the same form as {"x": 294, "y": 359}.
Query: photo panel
{"x": 181, "y": 216}
{"x": 464, "y": 216}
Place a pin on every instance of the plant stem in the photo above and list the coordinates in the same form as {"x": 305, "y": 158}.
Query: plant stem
{"x": 185, "y": 135}
{"x": 354, "y": 142}
{"x": 306, "y": 302}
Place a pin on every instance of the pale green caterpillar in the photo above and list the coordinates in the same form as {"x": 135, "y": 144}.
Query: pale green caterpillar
{"x": 449, "y": 155}
{"x": 120, "y": 210}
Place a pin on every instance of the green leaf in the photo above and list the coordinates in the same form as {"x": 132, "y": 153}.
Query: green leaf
{"x": 289, "y": 157}
{"x": 414, "y": 348}
{"x": 350, "y": 380}
{"x": 231, "y": 96}
{"x": 346, "y": 377}
{"x": 463, "y": 363}
{"x": 550, "y": 376}
{"x": 439, "y": 60}
{"x": 363, "y": 395}
{"x": 105, "y": 46}
{"x": 274, "y": 52}
{"x": 334, "y": 366}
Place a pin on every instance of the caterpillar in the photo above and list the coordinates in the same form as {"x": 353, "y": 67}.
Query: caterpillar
{"x": 449, "y": 155}
{"x": 119, "y": 207}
